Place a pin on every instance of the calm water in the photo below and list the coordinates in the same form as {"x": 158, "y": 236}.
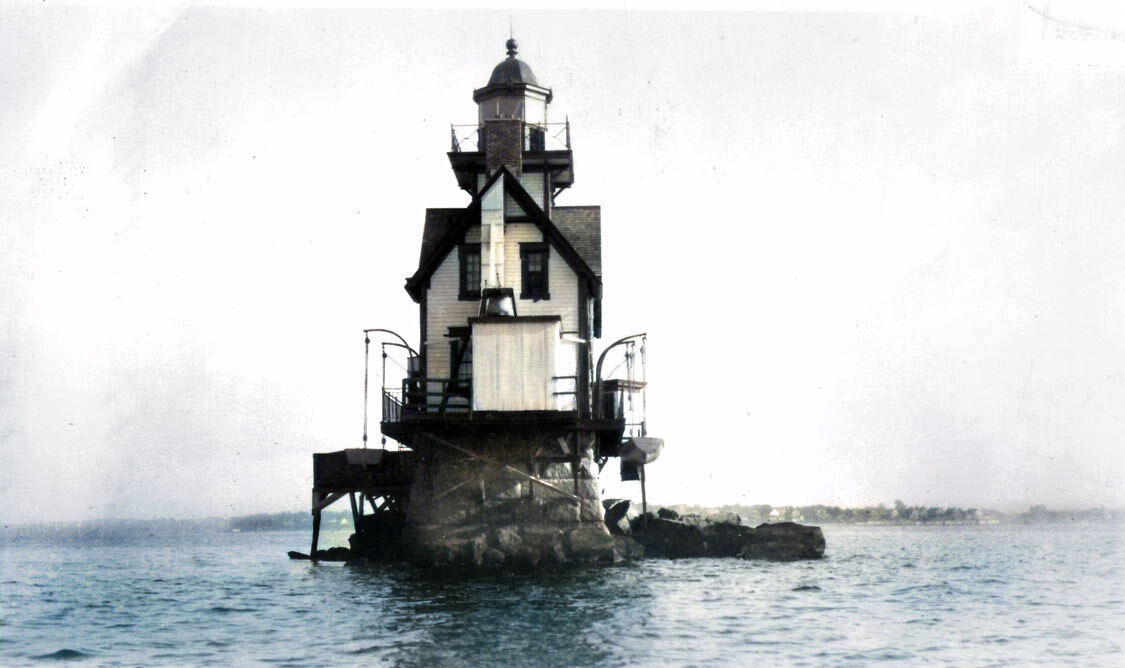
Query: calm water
{"x": 1001, "y": 595}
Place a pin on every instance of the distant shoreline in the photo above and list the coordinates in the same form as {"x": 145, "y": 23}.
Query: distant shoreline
{"x": 899, "y": 515}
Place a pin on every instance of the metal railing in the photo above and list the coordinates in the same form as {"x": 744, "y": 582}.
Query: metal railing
{"x": 556, "y": 136}
{"x": 466, "y": 138}
{"x": 565, "y": 392}
{"x": 536, "y": 137}
{"x": 454, "y": 396}
{"x": 392, "y": 405}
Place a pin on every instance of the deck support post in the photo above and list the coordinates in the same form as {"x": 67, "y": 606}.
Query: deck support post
{"x": 356, "y": 511}
{"x": 316, "y": 534}
{"x": 644, "y": 497}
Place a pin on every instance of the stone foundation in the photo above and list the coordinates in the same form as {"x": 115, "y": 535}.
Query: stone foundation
{"x": 488, "y": 511}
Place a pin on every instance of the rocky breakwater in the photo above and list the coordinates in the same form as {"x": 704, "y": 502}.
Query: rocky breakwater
{"x": 666, "y": 534}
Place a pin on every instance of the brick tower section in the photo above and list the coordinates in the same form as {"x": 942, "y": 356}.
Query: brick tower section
{"x": 503, "y": 145}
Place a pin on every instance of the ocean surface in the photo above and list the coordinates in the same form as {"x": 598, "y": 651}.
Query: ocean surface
{"x": 1008, "y": 595}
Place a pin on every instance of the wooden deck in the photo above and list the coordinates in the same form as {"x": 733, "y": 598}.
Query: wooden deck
{"x": 369, "y": 471}
{"x": 379, "y": 478}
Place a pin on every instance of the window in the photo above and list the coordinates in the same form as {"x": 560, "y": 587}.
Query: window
{"x": 533, "y": 271}
{"x": 461, "y": 356}
{"x": 460, "y": 366}
{"x": 536, "y": 138}
{"x": 470, "y": 271}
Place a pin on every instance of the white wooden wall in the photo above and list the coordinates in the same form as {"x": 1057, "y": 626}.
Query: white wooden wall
{"x": 514, "y": 365}
{"x": 532, "y": 182}
{"x": 444, "y": 310}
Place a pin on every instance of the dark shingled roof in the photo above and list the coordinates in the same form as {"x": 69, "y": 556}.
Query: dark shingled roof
{"x": 438, "y": 224}
{"x": 582, "y": 227}
{"x": 577, "y": 238}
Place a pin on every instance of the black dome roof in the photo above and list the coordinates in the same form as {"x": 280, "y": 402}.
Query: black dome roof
{"x": 512, "y": 70}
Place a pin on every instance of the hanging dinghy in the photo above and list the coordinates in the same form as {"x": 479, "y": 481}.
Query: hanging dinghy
{"x": 638, "y": 450}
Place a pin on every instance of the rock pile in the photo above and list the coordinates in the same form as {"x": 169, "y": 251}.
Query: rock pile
{"x": 665, "y": 533}
{"x": 523, "y": 544}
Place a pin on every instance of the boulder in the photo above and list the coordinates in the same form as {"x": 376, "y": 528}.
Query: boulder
{"x": 590, "y": 511}
{"x": 556, "y": 552}
{"x": 725, "y": 517}
{"x": 725, "y": 540}
{"x": 626, "y": 549}
{"x": 590, "y": 544}
{"x": 507, "y": 540}
{"x": 527, "y": 556}
{"x": 547, "y": 542}
{"x": 784, "y": 541}
{"x": 473, "y": 551}
{"x": 667, "y": 514}
{"x": 616, "y": 516}
{"x": 693, "y": 519}
{"x": 333, "y": 554}
{"x": 492, "y": 556}
{"x": 668, "y": 537}
{"x": 562, "y": 511}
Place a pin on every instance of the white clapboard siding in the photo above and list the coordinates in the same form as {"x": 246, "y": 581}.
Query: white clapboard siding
{"x": 514, "y": 235}
{"x": 562, "y": 282}
{"x": 514, "y": 365}
{"x": 445, "y": 310}
{"x": 511, "y": 207}
{"x": 532, "y": 182}
{"x": 566, "y": 367}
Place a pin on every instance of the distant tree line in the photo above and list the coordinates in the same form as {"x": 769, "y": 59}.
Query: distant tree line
{"x": 898, "y": 513}
{"x": 113, "y": 529}
{"x": 288, "y": 521}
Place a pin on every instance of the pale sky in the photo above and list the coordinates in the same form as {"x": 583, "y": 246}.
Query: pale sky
{"x": 878, "y": 256}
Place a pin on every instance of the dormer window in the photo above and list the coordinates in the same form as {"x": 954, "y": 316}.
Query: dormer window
{"x": 533, "y": 271}
{"x": 469, "y": 255}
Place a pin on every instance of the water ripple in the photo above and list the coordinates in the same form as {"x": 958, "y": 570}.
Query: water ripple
{"x": 889, "y": 596}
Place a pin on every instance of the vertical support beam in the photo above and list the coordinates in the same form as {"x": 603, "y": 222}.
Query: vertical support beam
{"x": 574, "y": 461}
{"x": 316, "y": 534}
{"x": 582, "y": 350}
{"x": 644, "y": 497}
{"x": 355, "y": 511}
{"x": 534, "y": 471}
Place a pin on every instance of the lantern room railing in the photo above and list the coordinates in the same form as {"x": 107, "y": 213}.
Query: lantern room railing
{"x": 536, "y": 137}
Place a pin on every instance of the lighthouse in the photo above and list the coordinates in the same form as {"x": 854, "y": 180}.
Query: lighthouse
{"x": 500, "y": 422}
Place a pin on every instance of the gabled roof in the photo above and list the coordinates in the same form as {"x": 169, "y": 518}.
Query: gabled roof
{"x": 582, "y": 227}
{"x": 438, "y": 224}
{"x": 577, "y": 237}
